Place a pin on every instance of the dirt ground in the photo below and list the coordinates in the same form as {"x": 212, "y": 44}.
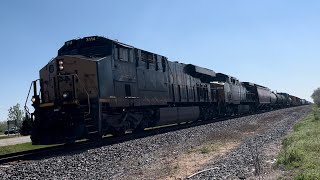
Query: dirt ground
{"x": 15, "y": 140}
{"x": 220, "y": 143}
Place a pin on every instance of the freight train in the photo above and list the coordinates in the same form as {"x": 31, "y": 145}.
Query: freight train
{"x": 97, "y": 86}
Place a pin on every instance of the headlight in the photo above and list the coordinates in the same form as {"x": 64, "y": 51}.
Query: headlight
{"x": 60, "y": 67}
{"x": 33, "y": 99}
{"x": 65, "y": 95}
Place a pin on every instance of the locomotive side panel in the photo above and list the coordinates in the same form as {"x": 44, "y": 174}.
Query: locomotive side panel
{"x": 185, "y": 88}
{"x": 125, "y": 84}
{"x": 106, "y": 85}
{"x": 235, "y": 93}
{"x": 152, "y": 80}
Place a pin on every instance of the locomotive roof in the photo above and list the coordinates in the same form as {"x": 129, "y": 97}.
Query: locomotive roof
{"x": 92, "y": 41}
{"x": 99, "y": 39}
{"x": 225, "y": 76}
{"x": 253, "y": 84}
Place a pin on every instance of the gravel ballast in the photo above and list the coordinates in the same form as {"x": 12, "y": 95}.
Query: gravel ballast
{"x": 147, "y": 158}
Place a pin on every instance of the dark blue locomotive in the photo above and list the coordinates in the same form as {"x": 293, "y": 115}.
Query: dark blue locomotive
{"x": 97, "y": 86}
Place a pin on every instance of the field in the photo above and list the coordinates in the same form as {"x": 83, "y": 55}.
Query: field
{"x": 301, "y": 149}
{"x": 20, "y": 148}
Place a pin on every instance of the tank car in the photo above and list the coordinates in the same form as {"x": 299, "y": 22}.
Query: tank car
{"x": 262, "y": 96}
{"x": 280, "y": 102}
{"x": 288, "y": 100}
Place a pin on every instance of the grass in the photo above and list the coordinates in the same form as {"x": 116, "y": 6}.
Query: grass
{"x": 301, "y": 149}
{"x": 20, "y": 147}
{"x": 207, "y": 148}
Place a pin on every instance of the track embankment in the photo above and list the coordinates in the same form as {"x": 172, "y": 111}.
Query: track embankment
{"x": 223, "y": 150}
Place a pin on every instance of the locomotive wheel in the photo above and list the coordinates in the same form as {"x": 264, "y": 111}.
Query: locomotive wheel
{"x": 34, "y": 137}
{"x": 118, "y": 132}
{"x": 35, "y": 128}
{"x": 143, "y": 124}
{"x": 94, "y": 137}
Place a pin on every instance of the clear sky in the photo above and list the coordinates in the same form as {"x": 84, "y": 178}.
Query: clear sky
{"x": 274, "y": 43}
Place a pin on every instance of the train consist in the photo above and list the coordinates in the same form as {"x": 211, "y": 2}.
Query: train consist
{"x": 97, "y": 86}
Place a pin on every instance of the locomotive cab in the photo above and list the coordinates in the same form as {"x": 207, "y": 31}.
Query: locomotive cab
{"x": 64, "y": 99}
{"x": 68, "y": 86}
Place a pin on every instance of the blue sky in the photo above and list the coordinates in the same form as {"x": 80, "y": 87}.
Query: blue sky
{"x": 269, "y": 42}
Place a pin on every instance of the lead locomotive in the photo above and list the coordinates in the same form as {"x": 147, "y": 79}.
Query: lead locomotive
{"x": 96, "y": 86}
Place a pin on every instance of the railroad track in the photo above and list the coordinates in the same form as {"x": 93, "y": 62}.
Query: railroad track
{"x": 86, "y": 145}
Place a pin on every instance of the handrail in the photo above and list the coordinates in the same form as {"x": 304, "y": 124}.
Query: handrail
{"x": 25, "y": 104}
{"x": 88, "y": 96}
{"x": 81, "y": 84}
{"x": 86, "y": 93}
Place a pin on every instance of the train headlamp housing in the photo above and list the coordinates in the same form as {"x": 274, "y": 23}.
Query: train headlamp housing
{"x": 33, "y": 99}
{"x": 65, "y": 95}
{"x": 60, "y": 65}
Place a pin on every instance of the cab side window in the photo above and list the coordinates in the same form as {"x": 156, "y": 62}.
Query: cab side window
{"x": 123, "y": 53}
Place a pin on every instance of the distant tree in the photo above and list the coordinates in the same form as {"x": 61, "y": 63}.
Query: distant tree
{"x": 316, "y": 96}
{"x": 26, "y": 126}
{"x": 15, "y": 115}
{"x": 3, "y": 126}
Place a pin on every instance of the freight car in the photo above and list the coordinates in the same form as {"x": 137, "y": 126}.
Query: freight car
{"x": 96, "y": 86}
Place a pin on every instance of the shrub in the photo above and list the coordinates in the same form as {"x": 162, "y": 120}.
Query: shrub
{"x": 286, "y": 142}
{"x": 291, "y": 158}
{"x": 316, "y": 116}
{"x": 308, "y": 175}
{"x": 26, "y": 127}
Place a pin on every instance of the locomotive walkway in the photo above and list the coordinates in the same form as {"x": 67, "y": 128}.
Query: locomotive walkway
{"x": 14, "y": 140}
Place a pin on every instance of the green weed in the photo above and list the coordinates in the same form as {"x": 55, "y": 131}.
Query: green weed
{"x": 20, "y": 147}
{"x": 301, "y": 149}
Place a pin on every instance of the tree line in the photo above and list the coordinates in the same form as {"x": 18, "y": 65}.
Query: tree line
{"x": 17, "y": 120}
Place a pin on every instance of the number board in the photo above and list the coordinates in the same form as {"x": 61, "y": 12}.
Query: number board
{"x": 89, "y": 39}
{"x": 69, "y": 43}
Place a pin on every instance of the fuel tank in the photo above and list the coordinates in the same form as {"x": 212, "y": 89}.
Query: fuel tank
{"x": 172, "y": 115}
